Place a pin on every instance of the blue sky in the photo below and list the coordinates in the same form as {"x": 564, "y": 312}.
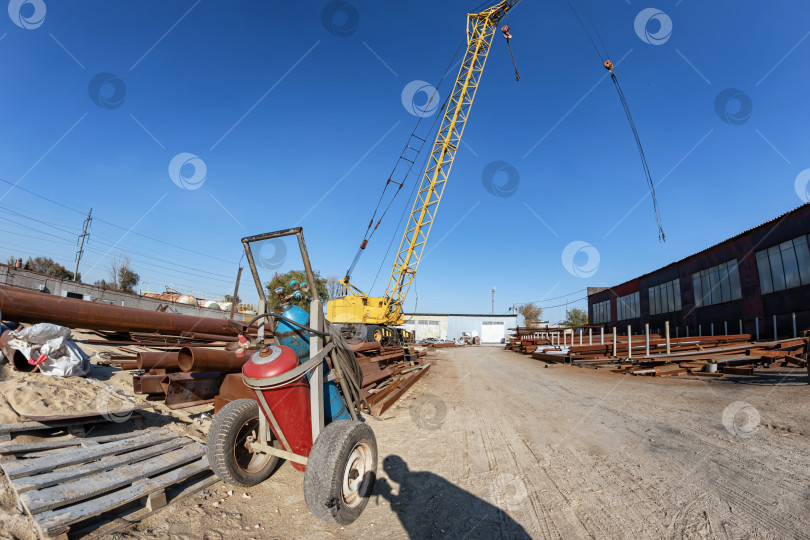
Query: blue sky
{"x": 298, "y": 125}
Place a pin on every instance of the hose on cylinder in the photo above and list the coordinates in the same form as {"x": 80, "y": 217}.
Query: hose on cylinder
{"x": 347, "y": 371}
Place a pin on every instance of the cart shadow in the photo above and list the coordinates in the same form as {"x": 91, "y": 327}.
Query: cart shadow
{"x": 428, "y": 506}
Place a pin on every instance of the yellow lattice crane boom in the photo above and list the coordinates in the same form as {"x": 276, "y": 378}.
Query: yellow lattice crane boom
{"x": 374, "y": 316}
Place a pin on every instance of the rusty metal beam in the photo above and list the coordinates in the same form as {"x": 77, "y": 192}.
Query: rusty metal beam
{"x": 147, "y": 384}
{"x": 190, "y": 389}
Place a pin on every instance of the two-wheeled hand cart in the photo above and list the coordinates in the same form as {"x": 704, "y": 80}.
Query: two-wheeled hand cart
{"x": 307, "y": 389}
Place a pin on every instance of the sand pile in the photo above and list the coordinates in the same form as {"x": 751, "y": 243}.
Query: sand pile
{"x": 34, "y": 394}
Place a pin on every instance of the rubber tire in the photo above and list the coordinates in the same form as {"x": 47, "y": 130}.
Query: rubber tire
{"x": 221, "y": 441}
{"x": 370, "y": 329}
{"x": 323, "y": 478}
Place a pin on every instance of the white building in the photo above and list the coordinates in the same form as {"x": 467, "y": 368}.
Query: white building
{"x": 449, "y": 326}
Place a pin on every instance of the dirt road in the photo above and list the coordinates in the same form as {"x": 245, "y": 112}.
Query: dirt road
{"x": 492, "y": 444}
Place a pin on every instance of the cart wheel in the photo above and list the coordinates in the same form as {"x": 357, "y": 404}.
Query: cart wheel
{"x": 341, "y": 470}
{"x": 237, "y": 424}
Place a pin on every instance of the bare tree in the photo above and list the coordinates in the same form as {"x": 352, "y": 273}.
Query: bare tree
{"x": 334, "y": 287}
{"x": 532, "y": 314}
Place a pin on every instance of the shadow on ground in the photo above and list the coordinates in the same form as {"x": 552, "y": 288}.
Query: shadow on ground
{"x": 428, "y": 506}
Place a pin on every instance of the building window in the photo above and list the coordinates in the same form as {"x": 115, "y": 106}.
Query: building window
{"x": 717, "y": 284}
{"x": 784, "y": 266}
{"x": 431, "y": 323}
{"x": 627, "y": 307}
{"x": 665, "y": 298}
{"x": 601, "y": 312}
{"x": 492, "y": 322}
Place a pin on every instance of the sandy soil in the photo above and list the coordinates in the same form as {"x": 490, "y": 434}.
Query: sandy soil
{"x": 493, "y": 444}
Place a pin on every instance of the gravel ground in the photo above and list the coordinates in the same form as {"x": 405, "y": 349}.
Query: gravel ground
{"x": 493, "y": 444}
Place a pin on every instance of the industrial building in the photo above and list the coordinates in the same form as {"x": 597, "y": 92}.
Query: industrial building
{"x": 757, "y": 282}
{"x": 444, "y": 326}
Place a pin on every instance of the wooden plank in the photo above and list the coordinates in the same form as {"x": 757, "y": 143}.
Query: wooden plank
{"x": 41, "y": 481}
{"x": 79, "y": 490}
{"x": 85, "y": 415}
{"x": 8, "y": 429}
{"x": 81, "y": 455}
{"x": 57, "y": 520}
{"x": 127, "y": 516}
{"x": 64, "y": 443}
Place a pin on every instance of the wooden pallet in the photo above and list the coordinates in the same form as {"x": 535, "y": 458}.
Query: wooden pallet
{"x": 75, "y": 424}
{"x": 101, "y": 484}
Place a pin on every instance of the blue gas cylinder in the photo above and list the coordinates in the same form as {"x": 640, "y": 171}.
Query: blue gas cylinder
{"x": 297, "y": 339}
{"x": 293, "y": 336}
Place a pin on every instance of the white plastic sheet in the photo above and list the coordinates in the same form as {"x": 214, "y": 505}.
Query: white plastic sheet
{"x": 65, "y": 358}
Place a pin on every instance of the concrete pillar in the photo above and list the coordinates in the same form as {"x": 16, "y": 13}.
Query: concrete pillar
{"x": 646, "y": 339}
{"x": 614, "y": 342}
{"x": 629, "y": 341}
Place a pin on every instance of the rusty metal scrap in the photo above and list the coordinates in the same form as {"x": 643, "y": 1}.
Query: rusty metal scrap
{"x": 709, "y": 356}
{"x": 157, "y": 359}
{"x": 32, "y": 307}
{"x": 202, "y": 359}
{"x": 190, "y": 389}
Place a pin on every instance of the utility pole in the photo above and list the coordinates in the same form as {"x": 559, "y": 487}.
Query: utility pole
{"x": 493, "y": 301}
{"x": 81, "y": 245}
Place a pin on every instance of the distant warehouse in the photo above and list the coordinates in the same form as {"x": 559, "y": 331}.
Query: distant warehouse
{"x": 490, "y": 328}
{"x": 757, "y": 282}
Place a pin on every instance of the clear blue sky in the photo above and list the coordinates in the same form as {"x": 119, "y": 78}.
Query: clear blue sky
{"x": 286, "y": 114}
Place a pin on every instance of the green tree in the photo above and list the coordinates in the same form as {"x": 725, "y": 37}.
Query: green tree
{"x": 532, "y": 314}
{"x": 283, "y": 280}
{"x": 128, "y": 279}
{"x": 229, "y": 298}
{"x": 47, "y": 266}
{"x": 122, "y": 277}
{"x": 575, "y": 317}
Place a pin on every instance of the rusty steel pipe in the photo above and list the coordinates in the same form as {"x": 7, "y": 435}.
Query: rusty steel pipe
{"x": 17, "y": 359}
{"x": 157, "y": 359}
{"x": 365, "y": 346}
{"x": 32, "y": 307}
{"x": 200, "y": 359}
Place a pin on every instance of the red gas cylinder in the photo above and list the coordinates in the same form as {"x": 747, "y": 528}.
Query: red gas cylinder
{"x": 288, "y": 401}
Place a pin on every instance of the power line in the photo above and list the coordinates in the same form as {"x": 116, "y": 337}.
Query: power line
{"x": 127, "y": 229}
{"x": 565, "y": 304}
{"x": 124, "y": 250}
{"x": 549, "y": 299}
